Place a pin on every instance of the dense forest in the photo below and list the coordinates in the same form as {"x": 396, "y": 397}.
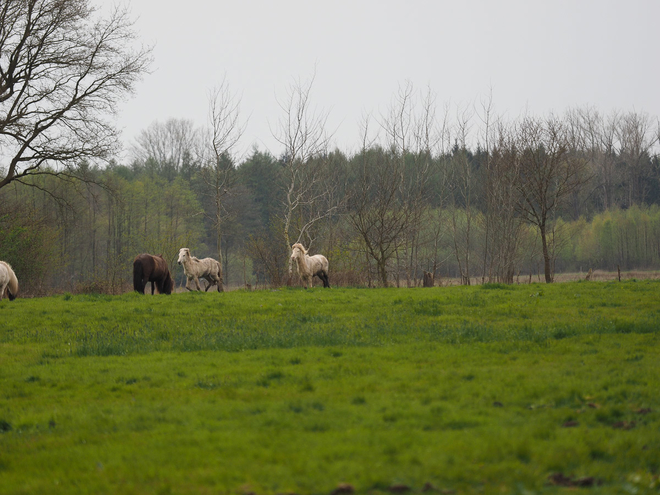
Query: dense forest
{"x": 495, "y": 202}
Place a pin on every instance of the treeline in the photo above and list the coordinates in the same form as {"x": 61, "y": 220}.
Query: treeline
{"x": 531, "y": 196}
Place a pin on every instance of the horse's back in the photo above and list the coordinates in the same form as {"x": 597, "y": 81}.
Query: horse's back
{"x": 8, "y": 281}
{"x": 321, "y": 261}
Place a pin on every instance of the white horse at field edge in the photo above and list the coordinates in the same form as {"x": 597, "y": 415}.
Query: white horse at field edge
{"x": 194, "y": 268}
{"x": 8, "y": 281}
{"x": 309, "y": 266}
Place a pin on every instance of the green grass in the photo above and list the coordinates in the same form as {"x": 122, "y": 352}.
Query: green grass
{"x": 470, "y": 389}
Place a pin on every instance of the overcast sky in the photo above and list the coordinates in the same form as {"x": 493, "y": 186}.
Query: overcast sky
{"x": 536, "y": 55}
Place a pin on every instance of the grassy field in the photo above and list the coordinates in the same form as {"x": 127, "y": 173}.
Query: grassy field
{"x": 489, "y": 389}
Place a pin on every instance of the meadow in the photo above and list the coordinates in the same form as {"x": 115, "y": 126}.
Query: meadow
{"x": 484, "y": 389}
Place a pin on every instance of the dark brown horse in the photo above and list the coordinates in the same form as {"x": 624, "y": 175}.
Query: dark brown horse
{"x": 150, "y": 268}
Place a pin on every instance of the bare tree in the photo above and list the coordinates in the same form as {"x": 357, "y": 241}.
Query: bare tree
{"x": 219, "y": 176}
{"x": 302, "y": 133}
{"x": 548, "y": 173}
{"x": 461, "y": 182}
{"x": 600, "y": 145}
{"x": 398, "y": 125}
{"x": 388, "y": 199}
{"x": 504, "y": 233}
{"x": 63, "y": 68}
{"x": 426, "y": 140}
{"x": 635, "y": 135}
{"x": 169, "y": 148}
{"x": 377, "y": 211}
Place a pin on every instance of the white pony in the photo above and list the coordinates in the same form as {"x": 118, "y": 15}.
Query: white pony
{"x": 8, "y": 281}
{"x": 308, "y": 266}
{"x": 194, "y": 268}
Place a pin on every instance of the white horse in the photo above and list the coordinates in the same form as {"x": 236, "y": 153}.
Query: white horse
{"x": 8, "y": 281}
{"x": 308, "y": 266}
{"x": 195, "y": 268}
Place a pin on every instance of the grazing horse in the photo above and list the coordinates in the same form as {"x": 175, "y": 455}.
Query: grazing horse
{"x": 150, "y": 268}
{"x": 8, "y": 281}
{"x": 194, "y": 268}
{"x": 308, "y": 266}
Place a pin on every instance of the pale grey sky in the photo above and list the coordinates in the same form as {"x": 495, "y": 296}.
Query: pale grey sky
{"x": 536, "y": 55}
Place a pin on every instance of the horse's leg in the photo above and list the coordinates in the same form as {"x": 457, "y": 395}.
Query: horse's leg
{"x": 199, "y": 287}
{"x": 188, "y": 279}
{"x": 153, "y": 285}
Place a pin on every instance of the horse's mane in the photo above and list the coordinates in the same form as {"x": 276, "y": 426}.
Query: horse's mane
{"x": 301, "y": 261}
{"x": 299, "y": 246}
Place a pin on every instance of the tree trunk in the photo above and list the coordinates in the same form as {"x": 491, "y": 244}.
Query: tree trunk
{"x": 218, "y": 226}
{"x": 546, "y": 254}
{"x": 382, "y": 272}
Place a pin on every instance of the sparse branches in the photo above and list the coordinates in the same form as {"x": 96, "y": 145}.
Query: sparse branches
{"x": 398, "y": 122}
{"x": 635, "y": 136}
{"x": 301, "y": 130}
{"x": 170, "y": 148}
{"x": 462, "y": 185}
{"x": 224, "y": 116}
{"x": 504, "y": 225}
{"x": 226, "y": 129}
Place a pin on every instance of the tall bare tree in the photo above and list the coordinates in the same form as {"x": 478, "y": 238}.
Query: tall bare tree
{"x": 503, "y": 234}
{"x": 219, "y": 176}
{"x": 377, "y": 210}
{"x": 303, "y": 134}
{"x": 549, "y": 171}
{"x": 63, "y": 68}
{"x": 388, "y": 198}
{"x": 461, "y": 182}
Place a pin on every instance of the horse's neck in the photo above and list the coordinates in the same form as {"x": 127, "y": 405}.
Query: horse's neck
{"x": 303, "y": 263}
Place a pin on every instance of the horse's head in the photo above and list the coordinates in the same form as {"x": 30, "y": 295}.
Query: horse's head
{"x": 168, "y": 284}
{"x": 297, "y": 251}
{"x": 184, "y": 255}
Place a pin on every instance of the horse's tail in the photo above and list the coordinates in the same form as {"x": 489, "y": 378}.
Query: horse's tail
{"x": 220, "y": 287}
{"x": 138, "y": 275}
{"x": 12, "y": 286}
{"x": 325, "y": 265}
